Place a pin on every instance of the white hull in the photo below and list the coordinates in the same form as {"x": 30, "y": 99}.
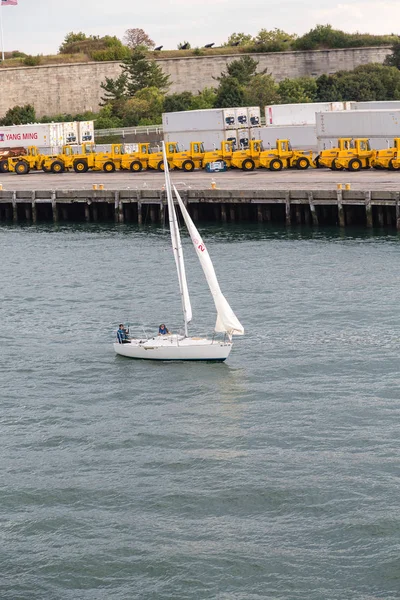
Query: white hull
{"x": 174, "y": 347}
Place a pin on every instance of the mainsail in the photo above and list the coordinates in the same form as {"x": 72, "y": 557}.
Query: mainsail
{"x": 177, "y": 247}
{"x": 227, "y": 322}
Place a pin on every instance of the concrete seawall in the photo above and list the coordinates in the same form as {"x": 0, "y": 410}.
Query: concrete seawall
{"x": 74, "y": 88}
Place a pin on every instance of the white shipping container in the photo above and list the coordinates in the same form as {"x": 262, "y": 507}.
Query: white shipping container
{"x": 243, "y": 138}
{"x": 376, "y": 105}
{"x": 38, "y": 134}
{"x": 379, "y": 124}
{"x": 298, "y": 114}
{"x": 212, "y": 119}
{"x": 86, "y": 131}
{"x": 302, "y": 137}
{"x": 71, "y": 134}
{"x": 211, "y": 139}
{"x": 254, "y": 116}
{"x": 241, "y": 117}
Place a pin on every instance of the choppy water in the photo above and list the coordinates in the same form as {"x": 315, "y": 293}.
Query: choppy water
{"x": 275, "y": 475}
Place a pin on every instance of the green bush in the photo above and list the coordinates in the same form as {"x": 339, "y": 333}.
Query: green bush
{"x": 113, "y": 53}
{"x": 198, "y": 52}
{"x": 324, "y": 36}
{"x": 32, "y": 61}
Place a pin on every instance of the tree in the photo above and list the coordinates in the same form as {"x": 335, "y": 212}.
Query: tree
{"x": 204, "y": 99}
{"x": 178, "y": 102}
{"x": 106, "y": 119}
{"x": 229, "y": 93}
{"x": 275, "y": 40}
{"x": 242, "y": 69}
{"x": 145, "y": 108}
{"x": 137, "y": 37}
{"x": 142, "y": 72}
{"x": 115, "y": 89}
{"x": 239, "y": 39}
{"x": 302, "y": 89}
{"x": 19, "y": 115}
{"x": 393, "y": 60}
{"x": 71, "y": 38}
{"x": 262, "y": 90}
{"x": 328, "y": 89}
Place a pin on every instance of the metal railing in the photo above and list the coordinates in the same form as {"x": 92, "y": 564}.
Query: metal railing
{"x": 123, "y": 131}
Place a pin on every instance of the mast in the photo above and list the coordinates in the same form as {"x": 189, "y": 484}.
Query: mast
{"x": 177, "y": 247}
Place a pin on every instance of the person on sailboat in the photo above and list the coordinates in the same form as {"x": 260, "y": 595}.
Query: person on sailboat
{"x": 122, "y": 334}
{"x": 162, "y": 330}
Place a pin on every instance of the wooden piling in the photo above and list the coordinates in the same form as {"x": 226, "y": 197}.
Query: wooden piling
{"x": 313, "y": 210}
{"x": 95, "y": 212}
{"x": 54, "y": 206}
{"x": 260, "y": 216}
{"x": 288, "y": 213}
{"x": 87, "y": 212}
{"x": 381, "y": 220}
{"x": 34, "y": 212}
{"x": 15, "y": 207}
{"x": 139, "y": 213}
{"x": 368, "y": 210}
{"x": 341, "y": 215}
{"x": 224, "y": 216}
{"x": 298, "y": 214}
{"x": 232, "y": 215}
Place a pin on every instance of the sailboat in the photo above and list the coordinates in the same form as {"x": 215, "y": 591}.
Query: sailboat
{"x": 182, "y": 346}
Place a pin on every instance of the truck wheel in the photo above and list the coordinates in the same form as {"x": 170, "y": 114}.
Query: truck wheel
{"x": 303, "y": 163}
{"x": 57, "y": 167}
{"x": 317, "y": 163}
{"x": 392, "y": 165}
{"x": 80, "y": 166}
{"x": 109, "y": 167}
{"x": 160, "y": 166}
{"x": 248, "y": 165}
{"x": 4, "y": 166}
{"x": 335, "y": 166}
{"x": 355, "y": 164}
{"x": 276, "y": 165}
{"x": 21, "y": 168}
{"x": 188, "y": 166}
{"x": 136, "y": 166}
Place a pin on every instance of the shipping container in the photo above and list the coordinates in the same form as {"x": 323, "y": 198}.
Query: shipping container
{"x": 213, "y": 119}
{"x": 210, "y": 139}
{"x": 254, "y": 116}
{"x": 377, "y": 105}
{"x": 302, "y": 137}
{"x": 71, "y": 134}
{"x": 232, "y": 136}
{"x": 241, "y": 117}
{"x": 359, "y": 123}
{"x": 298, "y": 114}
{"x": 243, "y": 138}
{"x": 86, "y": 131}
{"x": 37, "y": 134}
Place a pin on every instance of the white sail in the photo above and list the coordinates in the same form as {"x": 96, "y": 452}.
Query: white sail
{"x": 177, "y": 247}
{"x": 227, "y": 322}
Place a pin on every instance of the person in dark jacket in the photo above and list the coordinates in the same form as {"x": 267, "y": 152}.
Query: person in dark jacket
{"x": 162, "y": 330}
{"x": 122, "y": 334}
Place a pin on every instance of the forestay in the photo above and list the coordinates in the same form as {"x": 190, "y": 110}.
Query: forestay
{"x": 177, "y": 247}
{"x": 227, "y": 322}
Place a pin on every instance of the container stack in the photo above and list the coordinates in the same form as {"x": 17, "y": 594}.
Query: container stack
{"x": 379, "y": 126}
{"x": 46, "y": 135}
{"x": 210, "y": 126}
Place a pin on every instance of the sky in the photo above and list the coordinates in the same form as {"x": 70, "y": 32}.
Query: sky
{"x": 39, "y": 26}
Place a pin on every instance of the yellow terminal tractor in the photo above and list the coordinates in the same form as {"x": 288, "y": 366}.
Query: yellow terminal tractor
{"x": 359, "y": 156}
{"x": 284, "y": 157}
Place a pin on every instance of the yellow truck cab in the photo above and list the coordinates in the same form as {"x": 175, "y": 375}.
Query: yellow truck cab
{"x": 283, "y": 156}
{"x": 136, "y": 161}
{"x": 360, "y": 156}
{"x": 67, "y": 157}
{"x": 224, "y": 153}
{"x": 156, "y": 158}
{"x": 328, "y": 157}
{"x": 249, "y": 159}
{"x": 388, "y": 158}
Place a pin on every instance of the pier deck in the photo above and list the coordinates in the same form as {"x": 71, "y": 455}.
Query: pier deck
{"x": 292, "y": 197}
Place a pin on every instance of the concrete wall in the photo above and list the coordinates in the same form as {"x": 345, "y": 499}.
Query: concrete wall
{"x": 73, "y": 88}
